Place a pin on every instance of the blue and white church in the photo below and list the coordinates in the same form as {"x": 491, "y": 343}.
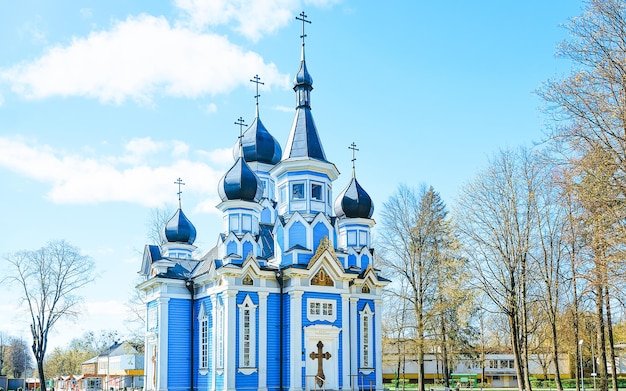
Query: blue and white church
{"x": 289, "y": 298}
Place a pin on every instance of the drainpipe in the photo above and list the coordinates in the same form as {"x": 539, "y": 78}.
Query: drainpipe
{"x": 189, "y": 285}
{"x": 279, "y": 278}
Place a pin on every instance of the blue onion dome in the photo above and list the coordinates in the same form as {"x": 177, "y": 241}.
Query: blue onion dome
{"x": 259, "y": 145}
{"x": 354, "y": 202}
{"x": 240, "y": 183}
{"x": 179, "y": 229}
{"x": 303, "y": 76}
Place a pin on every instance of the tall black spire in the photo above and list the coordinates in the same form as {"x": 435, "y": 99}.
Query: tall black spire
{"x": 303, "y": 139}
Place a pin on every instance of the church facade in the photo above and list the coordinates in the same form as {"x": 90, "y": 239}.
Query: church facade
{"x": 289, "y": 298}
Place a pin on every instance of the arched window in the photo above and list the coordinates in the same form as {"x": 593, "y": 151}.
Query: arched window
{"x": 366, "y": 337}
{"x": 247, "y": 335}
{"x": 203, "y": 319}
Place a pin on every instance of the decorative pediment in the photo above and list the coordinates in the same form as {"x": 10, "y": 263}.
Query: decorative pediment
{"x": 325, "y": 247}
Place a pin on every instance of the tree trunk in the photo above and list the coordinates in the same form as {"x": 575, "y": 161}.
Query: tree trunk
{"x": 609, "y": 327}
{"x": 602, "y": 370}
{"x": 555, "y": 357}
{"x": 524, "y": 336}
{"x": 444, "y": 354}
{"x": 575, "y": 320}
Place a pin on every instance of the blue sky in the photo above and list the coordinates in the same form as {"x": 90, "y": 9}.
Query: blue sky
{"x": 104, "y": 104}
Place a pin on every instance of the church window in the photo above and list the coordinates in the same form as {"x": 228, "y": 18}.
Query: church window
{"x": 264, "y": 182}
{"x": 219, "y": 334}
{"x": 283, "y": 193}
{"x": 365, "y": 289}
{"x": 246, "y": 222}
{"x": 233, "y": 222}
{"x": 321, "y": 309}
{"x": 352, "y": 238}
{"x": 366, "y": 337}
{"x": 316, "y": 191}
{"x": 204, "y": 337}
{"x": 362, "y": 238}
{"x": 247, "y": 334}
{"x": 297, "y": 191}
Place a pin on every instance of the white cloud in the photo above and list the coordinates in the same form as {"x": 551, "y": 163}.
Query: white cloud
{"x": 210, "y": 108}
{"x": 253, "y": 18}
{"x": 139, "y": 58}
{"x": 131, "y": 177}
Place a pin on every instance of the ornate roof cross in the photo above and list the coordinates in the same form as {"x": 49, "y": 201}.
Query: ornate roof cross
{"x": 180, "y": 183}
{"x": 354, "y": 149}
{"x": 241, "y": 124}
{"x": 304, "y": 20}
{"x": 257, "y": 80}
{"x": 320, "y": 377}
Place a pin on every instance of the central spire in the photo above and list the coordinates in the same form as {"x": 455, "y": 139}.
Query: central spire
{"x": 303, "y": 138}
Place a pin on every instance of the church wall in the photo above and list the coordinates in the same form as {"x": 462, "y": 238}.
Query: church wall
{"x": 178, "y": 344}
{"x": 274, "y": 336}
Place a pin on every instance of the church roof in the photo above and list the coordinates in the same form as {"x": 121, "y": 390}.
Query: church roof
{"x": 259, "y": 145}
{"x": 354, "y": 202}
{"x": 240, "y": 183}
{"x": 303, "y": 141}
{"x": 179, "y": 229}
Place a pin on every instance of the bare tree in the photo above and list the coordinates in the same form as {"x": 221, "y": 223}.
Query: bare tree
{"x": 415, "y": 240}
{"x": 50, "y": 279}
{"x": 18, "y": 357}
{"x": 589, "y": 108}
{"x": 495, "y": 218}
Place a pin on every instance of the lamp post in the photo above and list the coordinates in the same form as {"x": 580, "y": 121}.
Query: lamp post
{"x": 582, "y": 382}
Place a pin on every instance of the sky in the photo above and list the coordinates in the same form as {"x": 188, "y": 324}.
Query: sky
{"x": 104, "y": 104}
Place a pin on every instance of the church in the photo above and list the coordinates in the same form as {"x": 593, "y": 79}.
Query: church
{"x": 289, "y": 298}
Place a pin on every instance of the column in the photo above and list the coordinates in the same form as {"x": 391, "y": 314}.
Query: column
{"x": 378, "y": 332}
{"x": 295, "y": 339}
{"x": 354, "y": 354}
{"x": 162, "y": 356}
{"x": 262, "y": 363}
{"x": 230, "y": 341}
{"x": 214, "y": 337}
{"x": 345, "y": 340}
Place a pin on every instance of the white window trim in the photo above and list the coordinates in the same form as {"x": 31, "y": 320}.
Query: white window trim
{"x": 203, "y": 340}
{"x": 366, "y": 365}
{"x": 292, "y": 185}
{"x": 248, "y": 305}
{"x": 314, "y": 317}
{"x": 152, "y": 318}
{"x": 321, "y": 185}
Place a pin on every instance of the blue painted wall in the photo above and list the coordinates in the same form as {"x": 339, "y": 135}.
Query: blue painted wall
{"x": 231, "y": 248}
{"x": 319, "y": 231}
{"x": 297, "y": 235}
{"x": 247, "y": 248}
{"x": 179, "y": 344}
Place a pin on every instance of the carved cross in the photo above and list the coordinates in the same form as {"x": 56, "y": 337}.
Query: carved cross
{"x": 319, "y": 356}
{"x": 154, "y": 366}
